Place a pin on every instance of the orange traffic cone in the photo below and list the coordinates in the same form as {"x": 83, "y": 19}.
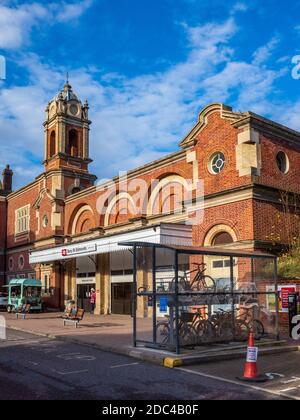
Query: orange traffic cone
{"x": 251, "y": 370}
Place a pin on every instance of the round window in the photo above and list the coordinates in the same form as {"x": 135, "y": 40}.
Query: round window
{"x": 282, "y": 162}
{"x": 45, "y": 221}
{"x": 21, "y": 262}
{"x": 217, "y": 163}
{"x": 11, "y": 264}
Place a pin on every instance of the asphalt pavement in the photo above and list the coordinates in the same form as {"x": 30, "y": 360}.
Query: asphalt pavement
{"x": 34, "y": 368}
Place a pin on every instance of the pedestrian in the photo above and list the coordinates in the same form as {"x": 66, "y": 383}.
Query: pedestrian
{"x": 93, "y": 301}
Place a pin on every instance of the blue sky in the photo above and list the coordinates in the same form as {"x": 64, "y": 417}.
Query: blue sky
{"x": 146, "y": 67}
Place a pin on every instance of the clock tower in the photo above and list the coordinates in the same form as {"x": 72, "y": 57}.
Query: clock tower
{"x": 67, "y": 129}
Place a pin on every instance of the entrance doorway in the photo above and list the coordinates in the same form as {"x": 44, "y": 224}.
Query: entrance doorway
{"x": 83, "y": 296}
{"x": 121, "y": 298}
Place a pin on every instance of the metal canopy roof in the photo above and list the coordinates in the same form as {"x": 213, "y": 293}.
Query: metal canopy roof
{"x": 221, "y": 252}
{"x": 25, "y": 282}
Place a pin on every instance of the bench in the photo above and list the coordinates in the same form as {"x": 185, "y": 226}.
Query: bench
{"x": 74, "y": 319}
{"x": 22, "y": 311}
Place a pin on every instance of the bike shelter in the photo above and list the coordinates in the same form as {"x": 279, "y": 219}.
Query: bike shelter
{"x": 187, "y": 297}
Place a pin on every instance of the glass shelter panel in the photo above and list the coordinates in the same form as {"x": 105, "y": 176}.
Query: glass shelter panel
{"x": 190, "y": 298}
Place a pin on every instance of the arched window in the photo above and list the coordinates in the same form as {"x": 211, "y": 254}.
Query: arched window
{"x": 73, "y": 143}
{"x": 222, "y": 238}
{"x": 52, "y": 144}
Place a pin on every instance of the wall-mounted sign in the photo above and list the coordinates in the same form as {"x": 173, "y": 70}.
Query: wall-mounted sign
{"x": 78, "y": 249}
{"x": 284, "y": 291}
{"x": 86, "y": 280}
{"x": 284, "y": 297}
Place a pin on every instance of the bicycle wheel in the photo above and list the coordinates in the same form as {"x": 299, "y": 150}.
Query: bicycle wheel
{"x": 258, "y": 329}
{"x": 183, "y": 285}
{"x": 205, "y": 331}
{"x": 163, "y": 332}
{"x": 241, "y": 330}
{"x": 206, "y": 284}
{"x": 187, "y": 335}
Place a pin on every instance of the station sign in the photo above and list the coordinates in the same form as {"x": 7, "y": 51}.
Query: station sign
{"x": 78, "y": 250}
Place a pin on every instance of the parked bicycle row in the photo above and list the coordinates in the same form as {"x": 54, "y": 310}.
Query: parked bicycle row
{"x": 201, "y": 328}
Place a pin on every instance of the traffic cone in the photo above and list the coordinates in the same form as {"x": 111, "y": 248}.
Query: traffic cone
{"x": 251, "y": 370}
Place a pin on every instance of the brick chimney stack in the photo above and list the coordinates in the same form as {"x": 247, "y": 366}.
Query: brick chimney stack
{"x": 7, "y": 177}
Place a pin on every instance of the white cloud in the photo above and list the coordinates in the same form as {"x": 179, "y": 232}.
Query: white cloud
{"x": 263, "y": 53}
{"x": 17, "y": 22}
{"x": 239, "y": 7}
{"x": 70, "y": 11}
{"x": 135, "y": 120}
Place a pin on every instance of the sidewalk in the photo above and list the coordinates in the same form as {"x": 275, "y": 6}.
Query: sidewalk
{"x": 108, "y": 331}
{"x": 114, "y": 333}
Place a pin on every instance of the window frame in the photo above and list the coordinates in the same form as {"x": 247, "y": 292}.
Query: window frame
{"x": 22, "y": 220}
{"x": 280, "y": 156}
{"x": 211, "y": 164}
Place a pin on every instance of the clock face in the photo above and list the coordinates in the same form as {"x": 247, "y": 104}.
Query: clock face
{"x": 74, "y": 109}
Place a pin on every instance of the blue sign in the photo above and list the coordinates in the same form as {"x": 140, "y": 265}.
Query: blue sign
{"x": 163, "y": 304}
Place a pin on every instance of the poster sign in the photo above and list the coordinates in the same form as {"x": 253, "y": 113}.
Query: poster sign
{"x": 284, "y": 291}
{"x": 284, "y": 297}
{"x": 252, "y": 354}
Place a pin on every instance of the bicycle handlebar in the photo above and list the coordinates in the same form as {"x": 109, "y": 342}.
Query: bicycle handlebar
{"x": 200, "y": 264}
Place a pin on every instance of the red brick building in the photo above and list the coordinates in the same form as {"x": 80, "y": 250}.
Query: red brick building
{"x": 65, "y": 230}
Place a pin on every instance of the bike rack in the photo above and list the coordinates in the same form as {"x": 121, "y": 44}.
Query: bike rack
{"x": 176, "y": 297}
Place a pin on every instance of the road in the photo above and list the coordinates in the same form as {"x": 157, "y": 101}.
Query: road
{"x": 33, "y": 367}
{"x": 283, "y": 371}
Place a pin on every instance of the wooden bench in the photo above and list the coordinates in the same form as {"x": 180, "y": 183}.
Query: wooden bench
{"x": 22, "y": 311}
{"x": 74, "y": 319}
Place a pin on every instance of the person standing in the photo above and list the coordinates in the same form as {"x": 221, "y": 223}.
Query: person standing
{"x": 93, "y": 301}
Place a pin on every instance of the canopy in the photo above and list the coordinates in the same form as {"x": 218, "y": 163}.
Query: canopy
{"x": 24, "y": 282}
{"x": 164, "y": 233}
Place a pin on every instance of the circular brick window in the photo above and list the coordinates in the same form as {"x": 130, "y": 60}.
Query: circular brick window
{"x": 11, "y": 264}
{"x": 217, "y": 163}
{"x": 45, "y": 221}
{"x": 283, "y": 163}
{"x": 21, "y": 262}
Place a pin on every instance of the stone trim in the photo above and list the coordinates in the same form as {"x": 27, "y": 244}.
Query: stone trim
{"x": 225, "y": 113}
{"x": 269, "y": 128}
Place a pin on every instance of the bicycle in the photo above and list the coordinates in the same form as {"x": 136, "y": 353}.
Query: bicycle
{"x": 166, "y": 333}
{"x": 220, "y": 327}
{"x": 200, "y": 283}
{"x": 254, "y": 325}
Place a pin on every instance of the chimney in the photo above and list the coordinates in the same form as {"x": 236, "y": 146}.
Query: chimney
{"x": 7, "y": 176}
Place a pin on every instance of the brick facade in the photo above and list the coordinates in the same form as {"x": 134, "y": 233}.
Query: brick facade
{"x": 243, "y": 199}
